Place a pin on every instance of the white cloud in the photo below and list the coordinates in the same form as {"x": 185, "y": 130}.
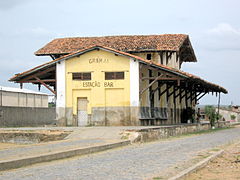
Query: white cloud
{"x": 8, "y": 4}
{"x": 224, "y": 29}
{"x": 222, "y": 37}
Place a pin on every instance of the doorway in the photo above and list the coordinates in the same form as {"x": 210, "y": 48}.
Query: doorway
{"x": 82, "y": 115}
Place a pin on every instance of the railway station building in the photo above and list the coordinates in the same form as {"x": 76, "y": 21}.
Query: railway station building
{"x": 120, "y": 80}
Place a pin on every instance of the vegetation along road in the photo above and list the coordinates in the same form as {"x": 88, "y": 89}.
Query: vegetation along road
{"x": 139, "y": 161}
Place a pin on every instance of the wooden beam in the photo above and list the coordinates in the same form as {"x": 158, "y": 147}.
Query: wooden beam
{"x": 186, "y": 101}
{"x": 195, "y": 98}
{"x": 170, "y": 55}
{"x": 161, "y": 57}
{"x": 165, "y": 90}
{"x": 36, "y": 81}
{"x": 180, "y": 92}
{"x": 189, "y": 95}
{"x": 43, "y": 83}
{"x": 167, "y": 55}
{"x": 174, "y": 89}
{"x": 174, "y": 103}
{"x": 185, "y": 94}
{"x": 155, "y": 80}
{"x": 52, "y": 56}
{"x": 174, "y": 95}
{"x": 39, "y": 73}
{"x": 201, "y": 96}
{"x": 159, "y": 86}
{"x": 163, "y": 78}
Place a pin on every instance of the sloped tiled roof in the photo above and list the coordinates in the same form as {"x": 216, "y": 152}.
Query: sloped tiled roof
{"x": 134, "y": 43}
{"x": 163, "y": 67}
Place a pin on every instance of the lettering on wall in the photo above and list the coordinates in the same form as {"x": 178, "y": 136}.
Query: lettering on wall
{"x": 98, "y": 60}
{"x": 91, "y": 84}
{"x": 97, "y": 84}
{"x": 108, "y": 84}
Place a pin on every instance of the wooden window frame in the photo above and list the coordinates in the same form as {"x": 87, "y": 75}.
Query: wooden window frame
{"x": 82, "y": 76}
{"x": 115, "y": 75}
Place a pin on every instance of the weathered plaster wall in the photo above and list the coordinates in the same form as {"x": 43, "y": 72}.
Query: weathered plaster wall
{"x": 172, "y": 61}
{"x": 26, "y": 116}
{"x": 61, "y": 93}
{"x": 226, "y": 114}
{"x": 110, "y": 102}
{"x": 134, "y": 83}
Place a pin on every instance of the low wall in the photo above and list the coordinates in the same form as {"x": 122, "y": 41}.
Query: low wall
{"x": 30, "y": 137}
{"x": 26, "y": 116}
{"x": 222, "y": 124}
{"x": 151, "y": 134}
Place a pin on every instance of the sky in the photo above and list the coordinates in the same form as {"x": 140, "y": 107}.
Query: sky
{"x": 213, "y": 27}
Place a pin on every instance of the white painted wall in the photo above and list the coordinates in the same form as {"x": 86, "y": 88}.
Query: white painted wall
{"x": 19, "y": 99}
{"x": 61, "y": 90}
{"x": 134, "y": 82}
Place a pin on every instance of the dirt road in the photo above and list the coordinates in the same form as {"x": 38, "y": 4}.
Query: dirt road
{"x": 224, "y": 167}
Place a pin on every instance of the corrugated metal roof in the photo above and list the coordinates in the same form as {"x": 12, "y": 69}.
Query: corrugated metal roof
{"x": 18, "y": 90}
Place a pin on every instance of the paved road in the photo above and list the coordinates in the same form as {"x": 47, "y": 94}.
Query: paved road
{"x": 132, "y": 162}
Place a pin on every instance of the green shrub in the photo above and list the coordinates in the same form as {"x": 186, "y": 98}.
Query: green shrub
{"x": 211, "y": 113}
{"x": 233, "y": 117}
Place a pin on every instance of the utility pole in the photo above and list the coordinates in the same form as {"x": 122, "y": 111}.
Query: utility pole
{"x": 1, "y": 96}
{"x": 218, "y": 106}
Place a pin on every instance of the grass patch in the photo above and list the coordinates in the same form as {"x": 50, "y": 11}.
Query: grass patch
{"x": 157, "y": 178}
{"x": 206, "y": 131}
{"x": 215, "y": 149}
{"x": 196, "y": 133}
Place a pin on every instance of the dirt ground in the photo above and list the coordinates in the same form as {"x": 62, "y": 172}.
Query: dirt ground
{"x": 226, "y": 166}
{"x": 9, "y": 145}
{"x": 15, "y": 138}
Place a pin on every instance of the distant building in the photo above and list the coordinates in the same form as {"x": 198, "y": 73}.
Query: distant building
{"x": 17, "y": 97}
{"x": 232, "y": 114}
{"x": 236, "y": 109}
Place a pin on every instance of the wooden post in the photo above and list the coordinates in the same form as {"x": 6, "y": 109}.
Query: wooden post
{"x": 39, "y": 87}
{"x": 174, "y": 101}
{"x": 186, "y": 99}
{"x": 218, "y": 106}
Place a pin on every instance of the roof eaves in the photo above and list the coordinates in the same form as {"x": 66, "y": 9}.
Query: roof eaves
{"x": 77, "y": 53}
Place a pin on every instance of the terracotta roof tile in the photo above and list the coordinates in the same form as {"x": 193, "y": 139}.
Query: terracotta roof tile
{"x": 171, "y": 42}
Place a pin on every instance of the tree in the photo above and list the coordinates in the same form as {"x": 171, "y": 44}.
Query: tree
{"x": 233, "y": 117}
{"x": 211, "y": 113}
